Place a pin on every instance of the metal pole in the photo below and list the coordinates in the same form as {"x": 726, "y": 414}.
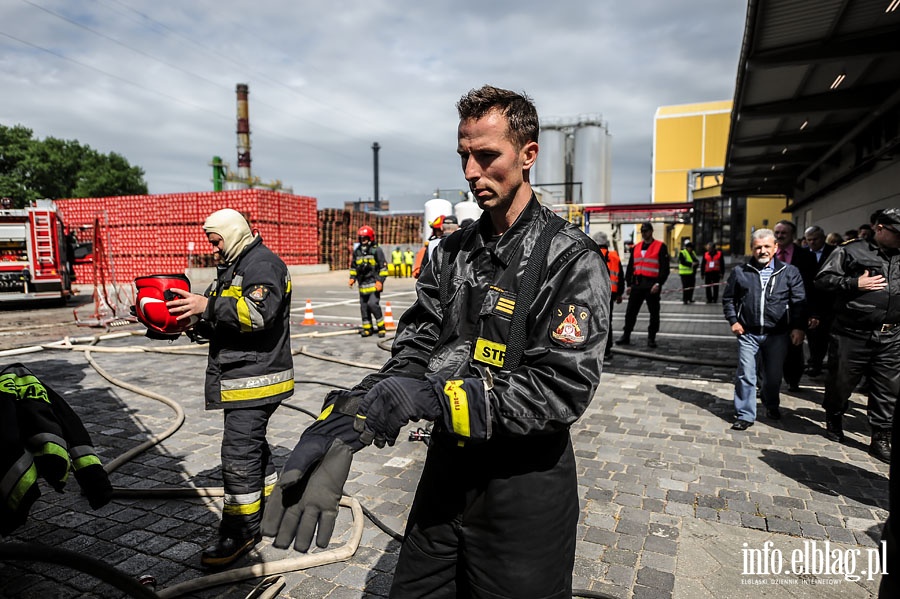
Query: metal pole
{"x": 377, "y": 202}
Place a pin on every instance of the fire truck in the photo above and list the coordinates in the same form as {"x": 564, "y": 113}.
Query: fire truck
{"x": 34, "y": 254}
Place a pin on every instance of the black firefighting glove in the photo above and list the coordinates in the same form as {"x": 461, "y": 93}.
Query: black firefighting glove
{"x": 311, "y": 483}
{"x": 459, "y": 406}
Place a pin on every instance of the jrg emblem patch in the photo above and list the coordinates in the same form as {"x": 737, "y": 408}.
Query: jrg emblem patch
{"x": 569, "y": 325}
{"x": 258, "y": 293}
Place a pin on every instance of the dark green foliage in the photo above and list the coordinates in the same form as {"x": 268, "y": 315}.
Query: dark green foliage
{"x": 32, "y": 169}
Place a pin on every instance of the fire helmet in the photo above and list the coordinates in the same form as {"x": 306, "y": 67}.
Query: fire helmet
{"x": 438, "y": 223}
{"x": 366, "y": 231}
{"x": 153, "y": 291}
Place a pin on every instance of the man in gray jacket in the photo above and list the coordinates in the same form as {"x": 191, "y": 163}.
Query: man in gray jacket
{"x": 765, "y": 303}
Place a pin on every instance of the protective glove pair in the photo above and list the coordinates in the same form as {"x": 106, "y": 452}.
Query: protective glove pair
{"x": 311, "y": 483}
{"x": 305, "y": 500}
{"x": 459, "y": 405}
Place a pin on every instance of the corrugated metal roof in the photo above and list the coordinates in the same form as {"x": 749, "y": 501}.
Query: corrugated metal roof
{"x": 793, "y": 134}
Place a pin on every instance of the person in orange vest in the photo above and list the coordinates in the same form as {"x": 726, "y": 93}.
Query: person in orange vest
{"x": 712, "y": 272}
{"x": 616, "y": 282}
{"x": 648, "y": 269}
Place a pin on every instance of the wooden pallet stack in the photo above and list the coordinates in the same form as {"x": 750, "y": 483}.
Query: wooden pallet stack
{"x": 338, "y": 228}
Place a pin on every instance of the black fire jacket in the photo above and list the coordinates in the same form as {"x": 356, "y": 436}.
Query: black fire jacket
{"x": 855, "y": 309}
{"x": 567, "y": 325}
{"x": 247, "y": 322}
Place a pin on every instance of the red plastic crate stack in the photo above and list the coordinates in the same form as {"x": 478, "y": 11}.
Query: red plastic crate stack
{"x": 163, "y": 233}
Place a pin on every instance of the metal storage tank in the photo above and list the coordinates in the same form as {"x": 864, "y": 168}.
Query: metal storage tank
{"x": 467, "y": 209}
{"x": 433, "y": 209}
{"x": 551, "y": 161}
{"x": 592, "y": 162}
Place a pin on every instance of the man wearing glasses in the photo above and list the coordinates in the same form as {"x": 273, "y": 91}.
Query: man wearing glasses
{"x": 864, "y": 275}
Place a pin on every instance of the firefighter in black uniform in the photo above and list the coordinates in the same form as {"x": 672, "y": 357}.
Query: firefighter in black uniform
{"x": 864, "y": 275}
{"x": 503, "y": 349}
{"x": 245, "y": 314}
{"x": 369, "y": 268}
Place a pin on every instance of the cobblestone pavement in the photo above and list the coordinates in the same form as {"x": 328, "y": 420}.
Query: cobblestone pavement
{"x": 673, "y": 503}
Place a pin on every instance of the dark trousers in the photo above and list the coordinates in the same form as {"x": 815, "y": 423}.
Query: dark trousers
{"x": 368, "y": 307}
{"x": 793, "y": 365}
{"x": 712, "y": 280}
{"x": 496, "y": 520}
{"x": 818, "y": 339}
{"x": 639, "y": 295}
{"x": 873, "y": 354}
{"x": 688, "y": 282}
{"x": 890, "y": 534}
{"x": 609, "y": 330}
{"x": 247, "y": 469}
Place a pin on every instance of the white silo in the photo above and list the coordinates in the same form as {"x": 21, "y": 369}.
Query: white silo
{"x": 550, "y": 168}
{"x": 434, "y": 208}
{"x": 592, "y": 162}
{"x": 467, "y": 209}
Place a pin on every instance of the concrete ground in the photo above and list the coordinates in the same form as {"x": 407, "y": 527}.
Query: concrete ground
{"x": 673, "y": 503}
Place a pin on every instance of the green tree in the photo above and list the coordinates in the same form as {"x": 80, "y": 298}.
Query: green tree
{"x": 54, "y": 168}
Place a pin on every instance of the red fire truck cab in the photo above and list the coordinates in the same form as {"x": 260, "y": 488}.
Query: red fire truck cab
{"x": 34, "y": 257}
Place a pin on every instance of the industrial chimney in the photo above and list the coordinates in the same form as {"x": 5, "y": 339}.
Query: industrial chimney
{"x": 376, "y": 204}
{"x": 243, "y": 133}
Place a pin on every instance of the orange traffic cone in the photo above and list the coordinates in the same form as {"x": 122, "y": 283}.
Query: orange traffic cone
{"x": 308, "y": 318}
{"x": 389, "y": 316}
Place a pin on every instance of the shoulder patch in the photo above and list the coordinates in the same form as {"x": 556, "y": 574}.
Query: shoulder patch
{"x": 569, "y": 325}
{"x": 258, "y": 293}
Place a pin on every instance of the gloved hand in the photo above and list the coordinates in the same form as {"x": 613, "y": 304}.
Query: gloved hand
{"x": 391, "y": 404}
{"x": 460, "y": 407}
{"x": 306, "y": 500}
{"x": 352, "y": 281}
{"x": 311, "y": 482}
{"x": 379, "y": 286}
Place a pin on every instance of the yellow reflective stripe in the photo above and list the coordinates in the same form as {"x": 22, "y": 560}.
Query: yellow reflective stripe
{"x": 232, "y": 291}
{"x": 88, "y": 460}
{"x": 257, "y": 392}
{"x": 28, "y": 479}
{"x": 243, "y": 314}
{"x": 371, "y": 289}
{"x": 459, "y": 407}
{"x": 242, "y": 509}
{"x": 326, "y": 412}
{"x": 53, "y": 449}
{"x": 269, "y": 484}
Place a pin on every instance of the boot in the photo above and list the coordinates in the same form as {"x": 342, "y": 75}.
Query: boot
{"x": 834, "y": 427}
{"x": 227, "y": 551}
{"x": 625, "y": 339}
{"x": 366, "y": 331}
{"x": 880, "y": 447}
{"x": 382, "y": 331}
{"x": 651, "y": 342}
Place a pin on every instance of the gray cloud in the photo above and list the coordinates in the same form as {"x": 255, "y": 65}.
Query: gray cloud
{"x": 155, "y": 81}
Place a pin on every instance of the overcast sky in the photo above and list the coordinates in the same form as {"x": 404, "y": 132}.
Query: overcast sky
{"x": 154, "y": 81}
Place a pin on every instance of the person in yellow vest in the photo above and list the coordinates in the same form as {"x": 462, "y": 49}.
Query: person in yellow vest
{"x": 616, "y": 280}
{"x": 648, "y": 269}
{"x": 687, "y": 270}
{"x": 397, "y": 262}
{"x": 409, "y": 257}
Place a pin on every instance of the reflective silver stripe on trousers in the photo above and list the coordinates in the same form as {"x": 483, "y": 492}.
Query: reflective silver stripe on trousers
{"x": 251, "y": 382}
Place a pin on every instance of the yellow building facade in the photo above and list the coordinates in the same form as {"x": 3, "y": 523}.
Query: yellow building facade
{"x": 689, "y": 147}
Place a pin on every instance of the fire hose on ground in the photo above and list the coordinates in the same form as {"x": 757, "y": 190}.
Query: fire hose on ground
{"x": 269, "y": 587}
